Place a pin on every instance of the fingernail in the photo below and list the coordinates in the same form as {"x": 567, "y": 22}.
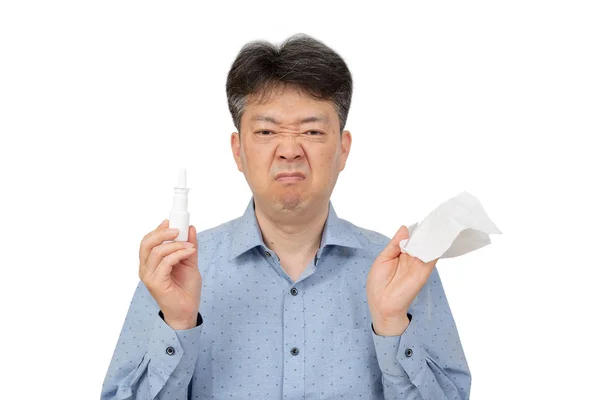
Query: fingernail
{"x": 173, "y": 230}
{"x": 188, "y": 244}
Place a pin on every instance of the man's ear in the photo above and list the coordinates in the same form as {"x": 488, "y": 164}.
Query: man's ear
{"x": 236, "y": 148}
{"x": 346, "y": 143}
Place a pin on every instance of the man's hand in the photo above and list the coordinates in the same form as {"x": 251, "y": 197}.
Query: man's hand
{"x": 170, "y": 272}
{"x": 393, "y": 282}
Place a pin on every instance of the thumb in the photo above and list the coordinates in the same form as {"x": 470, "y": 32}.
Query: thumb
{"x": 392, "y": 250}
{"x": 192, "y": 236}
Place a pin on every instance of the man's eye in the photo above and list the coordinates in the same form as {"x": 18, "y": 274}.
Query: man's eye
{"x": 313, "y": 133}
{"x": 264, "y": 133}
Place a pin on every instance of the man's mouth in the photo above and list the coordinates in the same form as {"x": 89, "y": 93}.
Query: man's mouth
{"x": 289, "y": 176}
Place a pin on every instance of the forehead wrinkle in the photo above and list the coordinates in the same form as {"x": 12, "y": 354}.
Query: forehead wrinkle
{"x": 319, "y": 118}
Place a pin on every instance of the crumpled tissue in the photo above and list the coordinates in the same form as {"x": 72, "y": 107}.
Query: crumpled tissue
{"x": 456, "y": 227}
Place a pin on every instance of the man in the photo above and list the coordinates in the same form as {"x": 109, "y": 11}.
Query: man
{"x": 287, "y": 301}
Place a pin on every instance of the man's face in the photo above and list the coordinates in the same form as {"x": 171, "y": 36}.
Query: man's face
{"x": 290, "y": 149}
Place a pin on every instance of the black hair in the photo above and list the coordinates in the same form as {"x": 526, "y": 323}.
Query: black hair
{"x": 301, "y": 61}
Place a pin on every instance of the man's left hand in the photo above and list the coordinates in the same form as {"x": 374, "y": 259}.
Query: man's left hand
{"x": 393, "y": 282}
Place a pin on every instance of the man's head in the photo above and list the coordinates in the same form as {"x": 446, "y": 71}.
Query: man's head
{"x": 290, "y": 104}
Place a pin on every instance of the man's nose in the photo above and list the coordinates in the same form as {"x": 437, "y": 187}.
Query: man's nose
{"x": 289, "y": 148}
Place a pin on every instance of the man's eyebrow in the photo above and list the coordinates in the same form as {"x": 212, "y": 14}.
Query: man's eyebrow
{"x": 306, "y": 120}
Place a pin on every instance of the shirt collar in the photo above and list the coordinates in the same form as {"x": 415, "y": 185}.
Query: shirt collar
{"x": 247, "y": 235}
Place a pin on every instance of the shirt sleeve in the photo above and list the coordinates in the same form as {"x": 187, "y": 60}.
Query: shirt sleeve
{"x": 427, "y": 361}
{"x": 151, "y": 360}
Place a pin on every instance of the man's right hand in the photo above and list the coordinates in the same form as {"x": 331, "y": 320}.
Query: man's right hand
{"x": 170, "y": 272}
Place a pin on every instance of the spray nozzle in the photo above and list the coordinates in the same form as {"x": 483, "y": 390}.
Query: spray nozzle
{"x": 180, "y": 217}
{"x": 182, "y": 179}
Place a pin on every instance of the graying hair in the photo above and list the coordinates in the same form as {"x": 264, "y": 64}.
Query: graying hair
{"x": 300, "y": 61}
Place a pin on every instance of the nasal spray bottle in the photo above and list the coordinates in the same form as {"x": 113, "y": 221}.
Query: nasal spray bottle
{"x": 180, "y": 217}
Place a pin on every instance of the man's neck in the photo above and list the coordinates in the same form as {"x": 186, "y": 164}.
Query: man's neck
{"x": 292, "y": 235}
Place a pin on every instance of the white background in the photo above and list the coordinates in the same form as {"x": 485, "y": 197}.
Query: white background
{"x": 101, "y": 103}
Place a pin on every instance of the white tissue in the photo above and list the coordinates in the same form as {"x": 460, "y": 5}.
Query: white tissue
{"x": 456, "y": 227}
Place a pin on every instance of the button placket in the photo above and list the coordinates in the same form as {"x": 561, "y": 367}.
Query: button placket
{"x": 293, "y": 340}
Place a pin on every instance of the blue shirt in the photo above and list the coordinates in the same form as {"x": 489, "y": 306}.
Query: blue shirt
{"x": 263, "y": 336}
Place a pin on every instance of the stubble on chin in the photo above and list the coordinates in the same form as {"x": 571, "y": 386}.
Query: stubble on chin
{"x": 290, "y": 200}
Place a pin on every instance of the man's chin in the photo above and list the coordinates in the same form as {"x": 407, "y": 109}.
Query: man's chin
{"x": 291, "y": 200}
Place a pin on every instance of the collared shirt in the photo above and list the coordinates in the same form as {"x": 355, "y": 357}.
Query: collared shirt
{"x": 263, "y": 336}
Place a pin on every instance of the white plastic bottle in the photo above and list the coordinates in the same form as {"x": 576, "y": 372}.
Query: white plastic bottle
{"x": 180, "y": 217}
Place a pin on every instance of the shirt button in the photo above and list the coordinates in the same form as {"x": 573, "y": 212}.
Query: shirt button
{"x": 408, "y": 352}
{"x": 267, "y": 254}
{"x": 294, "y": 351}
{"x": 170, "y": 350}
{"x": 294, "y": 291}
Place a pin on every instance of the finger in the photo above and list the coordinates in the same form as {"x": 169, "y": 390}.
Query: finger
{"x": 161, "y": 251}
{"x": 432, "y": 263}
{"x": 192, "y": 236}
{"x": 155, "y": 238}
{"x": 163, "y": 269}
{"x": 392, "y": 250}
{"x": 193, "y": 239}
{"x": 164, "y": 223}
{"x": 161, "y": 226}
{"x": 417, "y": 269}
